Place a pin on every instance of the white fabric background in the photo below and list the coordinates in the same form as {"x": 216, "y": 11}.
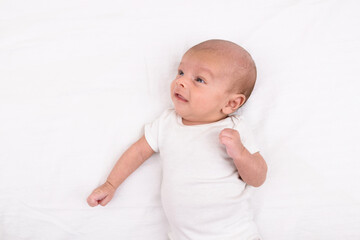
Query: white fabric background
{"x": 79, "y": 79}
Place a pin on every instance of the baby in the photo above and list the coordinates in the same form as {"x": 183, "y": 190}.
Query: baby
{"x": 208, "y": 156}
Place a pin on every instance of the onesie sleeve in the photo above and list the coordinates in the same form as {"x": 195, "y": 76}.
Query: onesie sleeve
{"x": 152, "y": 131}
{"x": 246, "y": 136}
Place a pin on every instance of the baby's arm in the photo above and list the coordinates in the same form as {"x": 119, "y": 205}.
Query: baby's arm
{"x": 132, "y": 158}
{"x": 251, "y": 167}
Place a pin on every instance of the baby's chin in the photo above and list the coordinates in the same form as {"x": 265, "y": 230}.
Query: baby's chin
{"x": 191, "y": 115}
{"x": 179, "y": 111}
{"x": 183, "y": 113}
{"x": 188, "y": 118}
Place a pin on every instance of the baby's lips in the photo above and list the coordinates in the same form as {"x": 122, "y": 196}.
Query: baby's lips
{"x": 181, "y": 97}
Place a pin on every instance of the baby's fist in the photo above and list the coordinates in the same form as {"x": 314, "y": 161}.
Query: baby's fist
{"x": 101, "y": 195}
{"x": 231, "y": 139}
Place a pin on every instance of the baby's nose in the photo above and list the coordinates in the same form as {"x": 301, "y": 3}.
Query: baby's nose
{"x": 181, "y": 82}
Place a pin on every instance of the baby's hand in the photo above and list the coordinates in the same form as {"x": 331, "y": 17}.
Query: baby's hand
{"x": 231, "y": 139}
{"x": 101, "y": 195}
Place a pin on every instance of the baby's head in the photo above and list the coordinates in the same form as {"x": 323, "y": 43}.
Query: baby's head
{"x": 214, "y": 79}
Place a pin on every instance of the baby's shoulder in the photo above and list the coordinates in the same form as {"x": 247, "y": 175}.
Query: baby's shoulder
{"x": 237, "y": 119}
{"x": 166, "y": 115}
{"x": 239, "y": 122}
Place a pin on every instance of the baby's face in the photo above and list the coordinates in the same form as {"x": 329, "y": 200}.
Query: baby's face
{"x": 201, "y": 87}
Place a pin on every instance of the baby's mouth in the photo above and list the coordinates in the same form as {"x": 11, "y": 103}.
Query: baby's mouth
{"x": 181, "y": 98}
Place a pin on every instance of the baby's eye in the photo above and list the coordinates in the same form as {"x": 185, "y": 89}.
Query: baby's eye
{"x": 181, "y": 73}
{"x": 199, "y": 80}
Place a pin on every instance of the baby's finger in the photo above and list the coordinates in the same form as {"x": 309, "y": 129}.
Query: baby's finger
{"x": 92, "y": 202}
{"x": 106, "y": 200}
{"x": 225, "y": 140}
{"x": 228, "y": 132}
{"x": 95, "y": 197}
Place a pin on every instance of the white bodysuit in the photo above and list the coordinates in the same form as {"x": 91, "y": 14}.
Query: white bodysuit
{"x": 201, "y": 192}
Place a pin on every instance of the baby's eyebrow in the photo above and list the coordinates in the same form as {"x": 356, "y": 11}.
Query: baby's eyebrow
{"x": 202, "y": 69}
{"x": 207, "y": 70}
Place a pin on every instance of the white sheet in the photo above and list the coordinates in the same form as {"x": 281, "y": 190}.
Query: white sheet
{"x": 79, "y": 79}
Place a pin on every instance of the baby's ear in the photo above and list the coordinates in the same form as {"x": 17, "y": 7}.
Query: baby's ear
{"x": 235, "y": 101}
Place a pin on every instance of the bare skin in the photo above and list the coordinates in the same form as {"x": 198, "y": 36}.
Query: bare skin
{"x": 214, "y": 79}
{"x": 127, "y": 163}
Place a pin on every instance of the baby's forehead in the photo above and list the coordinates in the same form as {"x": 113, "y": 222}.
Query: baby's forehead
{"x": 204, "y": 61}
{"x": 223, "y": 62}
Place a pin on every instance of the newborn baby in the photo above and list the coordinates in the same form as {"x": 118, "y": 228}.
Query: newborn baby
{"x": 208, "y": 155}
